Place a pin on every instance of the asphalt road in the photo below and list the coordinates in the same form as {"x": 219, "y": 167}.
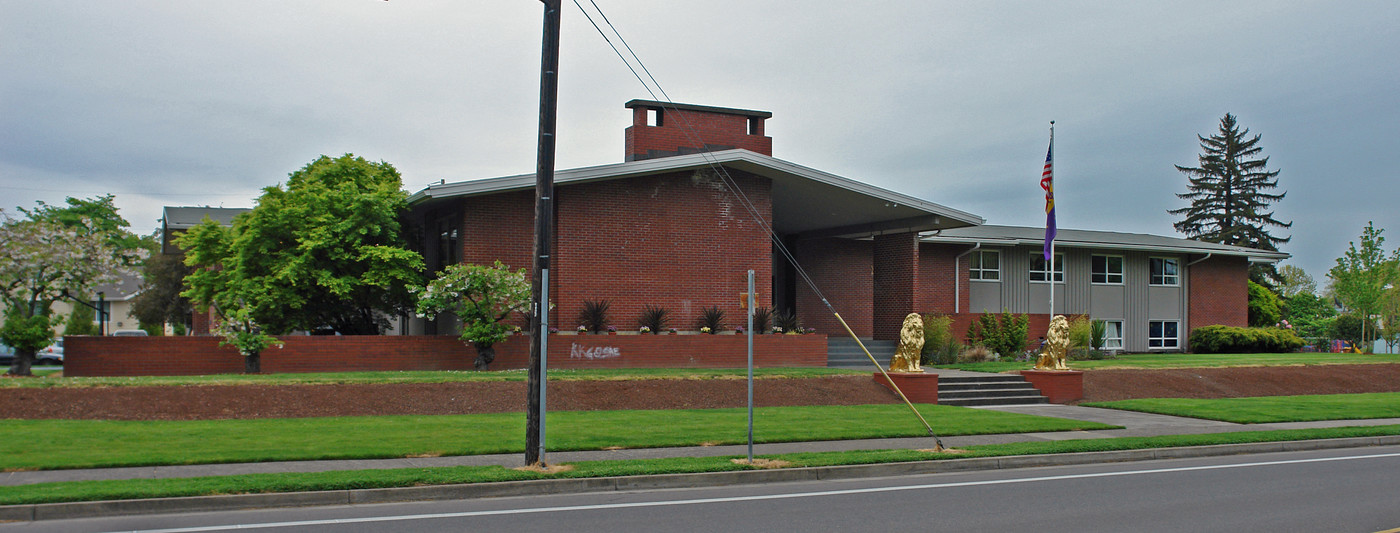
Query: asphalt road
{"x": 1345, "y": 490}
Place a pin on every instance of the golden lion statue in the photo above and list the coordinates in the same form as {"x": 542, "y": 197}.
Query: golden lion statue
{"x": 1056, "y": 346}
{"x": 911, "y": 342}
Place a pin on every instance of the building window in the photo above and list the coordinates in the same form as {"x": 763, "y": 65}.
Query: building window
{"x": 1162, "y": 334}
{"x": 1106, "y": 269}
{"x": 1113, "y": 334}
{"x": 1164, "y": 271}
{"x": 1040, "y": 273}
{"x": 985, "y": 266}
{"x": 448, "y": 241}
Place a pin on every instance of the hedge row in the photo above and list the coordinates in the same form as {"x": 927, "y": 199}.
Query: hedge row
{"x": 1229, "y": 339}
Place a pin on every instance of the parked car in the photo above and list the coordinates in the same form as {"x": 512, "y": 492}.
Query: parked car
{"x": 51, "y": 356}
{"x": 129, "y": 333}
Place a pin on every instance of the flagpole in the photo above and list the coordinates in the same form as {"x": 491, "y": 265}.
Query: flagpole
{"x": 1051, "y": 260}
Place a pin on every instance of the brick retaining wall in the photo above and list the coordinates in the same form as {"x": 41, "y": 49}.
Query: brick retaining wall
{"x": 155, "y": 356}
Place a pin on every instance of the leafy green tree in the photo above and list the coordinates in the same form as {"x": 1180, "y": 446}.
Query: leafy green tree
{"x": 160, "y": 302}
{"x": 326, "y": 251}
{"x": 482, "y": 298}
{"x": 1229, "y": 195}
{"x": 81, "y": 321}
{"x": 43, "y": 261}
{"x": 94, "y": 216}
{"x": 1294, "y": 281}
{"x": 1309, "y": 314}
{"x": 1362, "y": 276}
{"x": 1265, "y": 307}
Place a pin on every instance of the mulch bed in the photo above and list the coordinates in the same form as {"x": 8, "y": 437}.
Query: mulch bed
{"x": 296, "y": 401}
{"x": 208, "y": 402}
{"x": 1239, "y": 382}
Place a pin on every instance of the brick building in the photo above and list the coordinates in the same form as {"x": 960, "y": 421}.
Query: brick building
{"x": 689, "y": 212}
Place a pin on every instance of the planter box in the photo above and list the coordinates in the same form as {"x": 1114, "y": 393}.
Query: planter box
{"x": 1059, "y": 386}
{"x": 917, "y": 387}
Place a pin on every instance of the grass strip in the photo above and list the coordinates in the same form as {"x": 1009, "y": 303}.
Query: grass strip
{"x": 72, "y": 491}
{"x": 427, "y": 376}
{"x": 1188, "y": 360}
{"x": 1267, "y": 409}
{"x": 60, "y": 444}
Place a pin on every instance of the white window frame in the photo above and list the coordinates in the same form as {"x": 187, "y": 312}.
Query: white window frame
{"x": 1059, "y": 266}
{"x": 976, "y": 272}
{"x": 1108, "y": 275}
{"x": 1164, "y": 279}
{"x": 1160, "y": 341}
{"x": 1111, "y": 342}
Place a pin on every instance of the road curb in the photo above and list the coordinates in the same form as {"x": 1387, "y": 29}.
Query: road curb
{"x": 57, "y": 511}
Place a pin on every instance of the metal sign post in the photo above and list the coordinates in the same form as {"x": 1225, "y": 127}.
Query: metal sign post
{"x": 750, "y": 332}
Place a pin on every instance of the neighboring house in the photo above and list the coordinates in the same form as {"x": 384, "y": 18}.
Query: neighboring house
{"x": 177, "y": 220}
{"x": 174, "y": 222}
{"x": 662, "y": 228}
{"x": 115, "y": 298}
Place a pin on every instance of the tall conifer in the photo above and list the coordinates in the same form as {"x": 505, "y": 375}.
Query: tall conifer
{"x": 1230, "y": 195}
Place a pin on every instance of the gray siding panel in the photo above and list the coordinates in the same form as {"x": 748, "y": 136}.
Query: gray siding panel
{"x": 1016, "y": 279}
{"x": 984, "y": 296}
{"x": 1135, "y": 277}
{"x": 1109, "y": 302}
{"x": 1164, "y": 303}
{"x": 1077, "y": 296}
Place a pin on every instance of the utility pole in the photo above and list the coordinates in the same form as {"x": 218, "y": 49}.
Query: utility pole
{"x": 544, "y": 226}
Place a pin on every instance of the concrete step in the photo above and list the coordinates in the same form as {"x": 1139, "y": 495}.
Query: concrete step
{"x": 1007, "y": 400}
{"x": 991, "y": 389}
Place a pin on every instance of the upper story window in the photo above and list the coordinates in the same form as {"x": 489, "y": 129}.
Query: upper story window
{"x": 1164, "y": 271}
{"x": 1106, "y": 269}
{"x": 1040, "y": 270}
{"x": 985, "y": 265}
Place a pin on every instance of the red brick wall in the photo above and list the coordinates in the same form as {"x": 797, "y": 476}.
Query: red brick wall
{"x": 680, "y": 241}
{"x": 842, "y": 271}
{"x": 499, "y": 227}
{"x": 937, "y": 276}
{"x": 896, "y": 273}
{"x": 152, "y": 356}
{"x": 714, "y": 129}
{"x": 1219, "y": 292}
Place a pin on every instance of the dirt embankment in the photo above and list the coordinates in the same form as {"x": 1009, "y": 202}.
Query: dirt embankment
{"x": 293, "y": 401}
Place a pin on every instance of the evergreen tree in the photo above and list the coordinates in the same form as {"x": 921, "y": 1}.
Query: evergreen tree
{"x": 1229, "y": 195}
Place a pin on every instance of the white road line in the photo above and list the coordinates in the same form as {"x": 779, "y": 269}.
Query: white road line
{"x": 701, "y": 501}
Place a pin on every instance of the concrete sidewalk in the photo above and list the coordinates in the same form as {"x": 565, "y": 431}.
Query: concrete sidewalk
{"x": 1134, "y": 424}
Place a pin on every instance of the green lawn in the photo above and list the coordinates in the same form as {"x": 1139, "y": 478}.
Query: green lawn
{"x": 57, "y": 444}
{"x": 1266, "y": 409}
{"x": 428, "y": 376}
{"x": 1186, "y": 360}
{"x": 271, "y": 483}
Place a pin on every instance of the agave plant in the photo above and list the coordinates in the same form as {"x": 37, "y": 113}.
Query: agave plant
{"x": 594, "y": 315}
{"x": 711, "y": 320}
{"x": 762, "y": 320}
{"x": 653, "y": 318}
{"x": 787, "y": 322}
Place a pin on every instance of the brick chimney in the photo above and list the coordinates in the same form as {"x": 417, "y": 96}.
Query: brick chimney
{"x": 660, "y": 129}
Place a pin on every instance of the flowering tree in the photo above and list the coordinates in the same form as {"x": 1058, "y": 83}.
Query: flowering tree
{"x": 43, "y": 261}
{"x": 481, "y": 298}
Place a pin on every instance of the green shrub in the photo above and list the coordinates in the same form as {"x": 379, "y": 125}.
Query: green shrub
{"x": 1098, "y": 334}
{"x": 1081, "y": 332}
{"x": 711, "y": 318}
{"x": 939, "y": 346}
{"x": 1228, "y": 339}
{"x": 1265, "y": 307}
{"x": 1003, "y": 333}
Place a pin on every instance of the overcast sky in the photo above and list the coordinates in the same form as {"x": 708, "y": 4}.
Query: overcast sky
{"x": 204, "y": 103}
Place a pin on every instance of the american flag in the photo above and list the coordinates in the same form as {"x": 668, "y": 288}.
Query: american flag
{"x": 1047, "y": 182}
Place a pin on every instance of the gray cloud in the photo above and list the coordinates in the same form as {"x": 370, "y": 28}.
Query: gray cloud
{"x": 177, "y": 103}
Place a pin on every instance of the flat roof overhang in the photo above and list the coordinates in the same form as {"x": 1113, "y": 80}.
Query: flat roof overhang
{"x": 807, "y": 203}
